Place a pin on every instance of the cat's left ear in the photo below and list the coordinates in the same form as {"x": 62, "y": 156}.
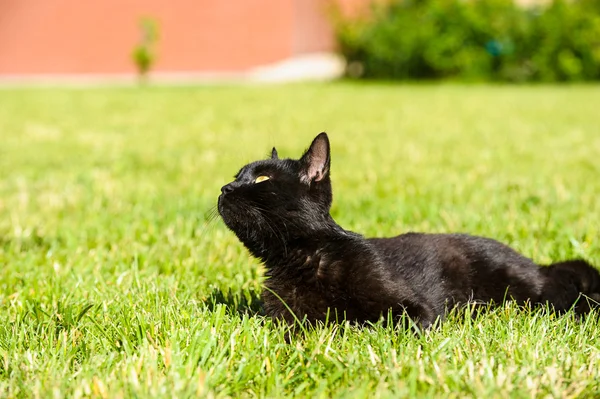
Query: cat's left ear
{"x": 274, "y": 154}
{"x": 316, "y": 160}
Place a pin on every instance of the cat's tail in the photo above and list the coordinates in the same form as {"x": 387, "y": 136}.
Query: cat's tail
{"x": 572, "y": 284}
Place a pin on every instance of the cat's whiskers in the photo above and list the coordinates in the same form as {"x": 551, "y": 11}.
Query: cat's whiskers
{"x": 279, "y": 216}
{"x": 210, "y": 218}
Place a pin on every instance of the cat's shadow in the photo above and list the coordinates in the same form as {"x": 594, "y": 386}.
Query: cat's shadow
{"x": 245, "y": 302}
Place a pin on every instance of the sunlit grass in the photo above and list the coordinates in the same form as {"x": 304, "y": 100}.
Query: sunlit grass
{"x": 115, "y": 284}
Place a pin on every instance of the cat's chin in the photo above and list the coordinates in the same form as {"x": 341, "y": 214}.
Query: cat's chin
{"x": 227, "y": 214}
{"x": 232, "y": 215}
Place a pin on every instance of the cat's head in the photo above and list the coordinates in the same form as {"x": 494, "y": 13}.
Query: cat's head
{"x": 279, "y": 198}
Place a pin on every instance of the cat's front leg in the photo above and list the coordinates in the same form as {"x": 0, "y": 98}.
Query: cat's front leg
{"x": 421, "y": 313}
{"x": 277, "y": 308}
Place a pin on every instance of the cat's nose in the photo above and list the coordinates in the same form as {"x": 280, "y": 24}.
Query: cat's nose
{"x": 226, "y": 189}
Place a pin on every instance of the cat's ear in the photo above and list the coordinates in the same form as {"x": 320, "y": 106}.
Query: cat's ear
{"x": 274, "y": 154}
{"x": 316, "y": 160}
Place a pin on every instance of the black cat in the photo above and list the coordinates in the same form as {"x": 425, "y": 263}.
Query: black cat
{"x": 279, "y": 209}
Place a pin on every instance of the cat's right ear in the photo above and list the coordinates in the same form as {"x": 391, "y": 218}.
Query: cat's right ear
{"x": 316, "y": 160}
{"x": 274, "y": 154}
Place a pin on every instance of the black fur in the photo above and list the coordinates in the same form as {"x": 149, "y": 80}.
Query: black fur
{"x": 320, "y": 271}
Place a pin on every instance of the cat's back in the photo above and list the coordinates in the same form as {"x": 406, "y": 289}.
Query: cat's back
{"x": 415, "y": 247}
{"x": 413, "y": 254}
{"x": 452, "y": 265}
{"x": 423, "y": 248}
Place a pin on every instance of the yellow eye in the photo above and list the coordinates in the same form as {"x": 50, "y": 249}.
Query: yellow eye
{"x": 261, "y": 179}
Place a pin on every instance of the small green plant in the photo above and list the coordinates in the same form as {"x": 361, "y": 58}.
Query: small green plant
{"x": 144, "y": 53}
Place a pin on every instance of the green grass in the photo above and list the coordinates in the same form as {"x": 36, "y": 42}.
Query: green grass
{"x": 113, "y": 284}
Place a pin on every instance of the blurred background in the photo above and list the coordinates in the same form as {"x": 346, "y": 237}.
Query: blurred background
{"x": 186, "y": 38}
{"x": 506, "y": 40}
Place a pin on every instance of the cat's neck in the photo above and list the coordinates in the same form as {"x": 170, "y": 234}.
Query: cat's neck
{"x": 282, "y": 248}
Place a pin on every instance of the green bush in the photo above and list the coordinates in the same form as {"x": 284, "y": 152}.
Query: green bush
{"x": 474, "y": 39}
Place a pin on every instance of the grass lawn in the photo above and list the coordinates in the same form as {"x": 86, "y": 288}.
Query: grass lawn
{"x": 113, "y": 284}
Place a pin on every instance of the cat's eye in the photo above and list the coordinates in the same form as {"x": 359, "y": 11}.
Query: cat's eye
{"x": 261, "y": 179}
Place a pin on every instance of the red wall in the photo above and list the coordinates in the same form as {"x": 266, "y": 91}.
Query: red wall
{"x": 97, "y": 36}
